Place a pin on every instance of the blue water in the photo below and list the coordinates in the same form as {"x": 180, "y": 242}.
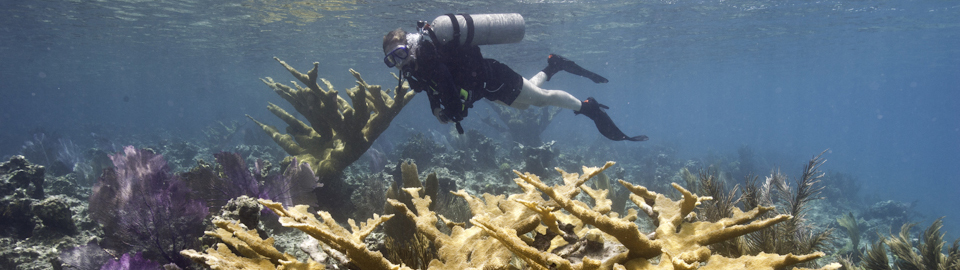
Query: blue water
{"x": 876, "y": 82}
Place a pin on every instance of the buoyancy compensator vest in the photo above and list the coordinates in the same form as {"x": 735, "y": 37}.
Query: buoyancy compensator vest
{"x": 457, "y": 37}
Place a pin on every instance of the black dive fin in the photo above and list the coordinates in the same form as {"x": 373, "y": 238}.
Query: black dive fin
{"x": 591, "y": 108}
{"x": 557, "y": 62}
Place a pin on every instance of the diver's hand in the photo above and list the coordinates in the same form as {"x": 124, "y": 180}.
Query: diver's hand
{"x": 442, "y": 117}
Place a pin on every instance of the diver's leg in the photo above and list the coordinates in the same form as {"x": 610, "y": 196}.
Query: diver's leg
{"x": 539, "y": 79}
{"x": 532, "y": 94}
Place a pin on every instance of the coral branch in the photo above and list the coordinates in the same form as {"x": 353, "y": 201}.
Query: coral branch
{"x": 332, "y": 234}
{"x": 255, "y": 252}
{"x": 509, "y": 238}
{"x": 626, "y": 232}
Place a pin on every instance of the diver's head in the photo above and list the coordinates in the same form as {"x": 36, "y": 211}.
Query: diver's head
{"x": 399, "y": 47}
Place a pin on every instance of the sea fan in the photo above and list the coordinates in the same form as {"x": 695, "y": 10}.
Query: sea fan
{"x": 233, "y": 179}
{"x": 144, "y": 206}
{"x": 135, "y": 262}
{"x": 89, "y": 256}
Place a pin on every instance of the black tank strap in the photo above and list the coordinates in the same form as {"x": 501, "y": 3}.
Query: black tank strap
{"x": 456, "y": 28}
{"x": 469, "y": 28}
{"x": 433, "y": 37}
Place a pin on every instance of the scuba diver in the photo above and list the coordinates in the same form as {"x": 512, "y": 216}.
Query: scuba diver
{"x": 453, "y": 72}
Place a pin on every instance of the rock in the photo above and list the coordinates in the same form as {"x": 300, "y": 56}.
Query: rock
{"x": 243, "y": 209}
{"x": 64, "y": 185}
{"x": 16, "y": 217}
{"x": 55, "y": 214}
{"x": 18, "y": 173}
{"x": 21, "y": 258}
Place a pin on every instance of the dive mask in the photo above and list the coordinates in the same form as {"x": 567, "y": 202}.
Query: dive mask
{"x": 396, "y": 56}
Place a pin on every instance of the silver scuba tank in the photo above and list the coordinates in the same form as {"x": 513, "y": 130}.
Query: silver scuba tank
{"x": 480, "y": 29}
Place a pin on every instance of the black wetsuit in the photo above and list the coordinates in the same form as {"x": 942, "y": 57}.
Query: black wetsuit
{"x": 457, "y": 76}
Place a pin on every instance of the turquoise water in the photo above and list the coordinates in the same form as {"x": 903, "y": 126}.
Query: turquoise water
{"x": 876, "y": 82}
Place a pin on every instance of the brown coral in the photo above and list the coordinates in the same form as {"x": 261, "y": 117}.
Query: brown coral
{"x": 502, "y": 223}
{"x": 339, "y": 132}
{"x": 255, "y": 252}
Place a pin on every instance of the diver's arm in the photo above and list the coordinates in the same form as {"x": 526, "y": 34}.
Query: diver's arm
{"x": 449, "y": 94}
{"x": 435, "y": 107}
{"x": 447, "y": 106}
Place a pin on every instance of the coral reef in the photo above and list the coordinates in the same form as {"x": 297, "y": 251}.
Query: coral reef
{"x": 21, "y": 176}
{"x": 500, "y": 237}
{"x": 511, "y": 231}
{"x": 55, "y": 214}
{"x": 33, "y": 229}
{"x": 475, "y": 151}
{"x": 402, "y": 242}
{"x": 421, "y": 148}
{"x": 338, "y": 134}
{"x": 536, "y": 159}
{"x": 21, "y": 186}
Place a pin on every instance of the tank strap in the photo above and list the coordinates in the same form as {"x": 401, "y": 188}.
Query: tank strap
{"x": 469, "y": 28}
{"x": 433, "y": 35}
{"x": 456, "y": 28}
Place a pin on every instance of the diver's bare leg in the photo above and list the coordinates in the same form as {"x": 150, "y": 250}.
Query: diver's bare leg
{"x": 538, "y": 79}
{"x": 531, "y": 94}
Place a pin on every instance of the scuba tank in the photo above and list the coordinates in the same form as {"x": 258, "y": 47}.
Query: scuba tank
{"x": 479, "y": 29}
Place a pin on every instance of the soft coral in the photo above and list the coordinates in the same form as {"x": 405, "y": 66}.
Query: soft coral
{"x": 144, "y": 206}
{"x": 233, "y": 179}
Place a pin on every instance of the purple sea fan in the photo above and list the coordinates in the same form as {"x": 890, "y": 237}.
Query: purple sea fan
{"x": 143, "y": 206}
{"x": 377, "y": 159}
{"x": 89, "y": 256}
{"x": 135, "y": 262}
{"x": 294, "y": 186}
{"x": 234, "y": 179}
{"x": 237, "y": 178}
